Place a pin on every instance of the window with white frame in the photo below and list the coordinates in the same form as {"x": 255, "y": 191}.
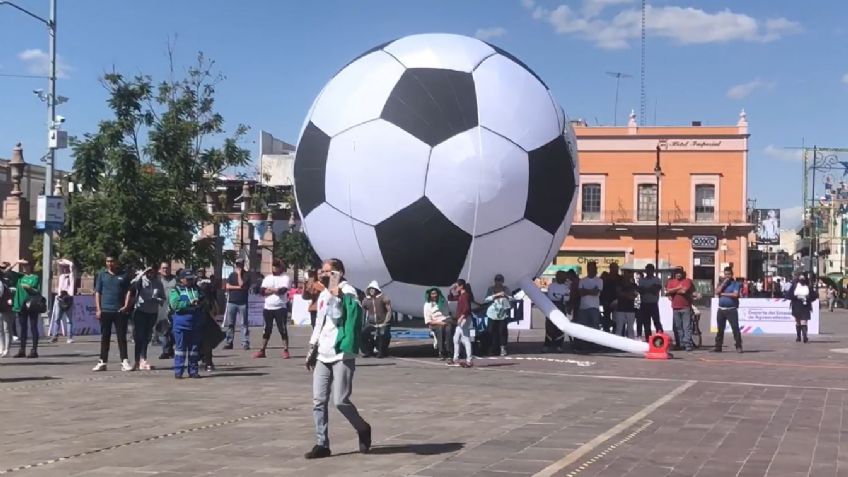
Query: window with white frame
{"x": 646, "y": 202}
{"x": 705, "y": 202}
{"x": 591, "y": 202}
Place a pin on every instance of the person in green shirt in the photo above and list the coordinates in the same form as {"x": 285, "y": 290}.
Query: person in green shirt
{"x": 24, "y": 304}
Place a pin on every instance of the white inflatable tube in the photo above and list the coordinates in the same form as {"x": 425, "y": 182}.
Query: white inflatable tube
{"x": 579, "y": 331}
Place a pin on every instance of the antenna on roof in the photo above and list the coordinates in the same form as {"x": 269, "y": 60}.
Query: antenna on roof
{"x": 617, "y": 75}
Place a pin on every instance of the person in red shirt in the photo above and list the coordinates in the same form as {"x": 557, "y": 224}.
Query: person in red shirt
{"x": 680, "y": 290}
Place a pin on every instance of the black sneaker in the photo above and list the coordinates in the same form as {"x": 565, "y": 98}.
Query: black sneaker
{"x": 717, "y": 349}
{"x": 32, "y": 354}
{"x": 228, "y": 346}
{"x": 210, "y": 368}
{"x": 738, "y": 348}
{"x": 365, "y": 441}
{"x": 318, "y": 452}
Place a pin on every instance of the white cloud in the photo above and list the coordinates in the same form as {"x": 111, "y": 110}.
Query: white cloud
{"x": 489, "y": 33}
{"x": 774, "y": 152}
{"x": 791, "y": 218}
{"x": 744, "y": 90}
{"x": 37, "y": 62}
{"x": 845, "y": 78}
{"x": 593, "y": 8}
{"x": 684, "y": 25}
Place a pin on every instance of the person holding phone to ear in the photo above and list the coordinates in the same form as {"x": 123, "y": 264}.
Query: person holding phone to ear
{"x": 333, "y": 347}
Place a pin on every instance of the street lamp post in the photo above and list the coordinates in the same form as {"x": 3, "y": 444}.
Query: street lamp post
{"x": 658, "y": 174}
{"x": 51, "y": 99}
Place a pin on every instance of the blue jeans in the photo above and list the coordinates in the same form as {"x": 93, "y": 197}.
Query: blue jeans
{"x": 590, "y": 317}
{"x": 230, "y": 323}
{"x": 683, "y": 327}
{"x": 334, "y": 380}
{"x": 188, "y": 333}
{"x": 56, "y": 319}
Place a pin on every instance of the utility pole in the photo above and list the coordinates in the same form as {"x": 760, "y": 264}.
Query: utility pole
{"x": 47, "y": 253}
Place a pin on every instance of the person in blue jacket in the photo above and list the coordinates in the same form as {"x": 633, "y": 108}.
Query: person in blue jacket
{"x": 185, "y": 303}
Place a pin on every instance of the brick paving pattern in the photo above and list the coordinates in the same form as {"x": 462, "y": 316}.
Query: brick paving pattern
{"x": 775, "y": 411}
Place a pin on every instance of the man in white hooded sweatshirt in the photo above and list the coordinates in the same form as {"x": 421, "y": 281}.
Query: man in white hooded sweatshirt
{"x": 378, "y": 320}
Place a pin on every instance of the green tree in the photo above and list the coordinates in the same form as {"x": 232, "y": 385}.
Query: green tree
{"x": 295, "y": 249}
{"x": 146, "y": 171}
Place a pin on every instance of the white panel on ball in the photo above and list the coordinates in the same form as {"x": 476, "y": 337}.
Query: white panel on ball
{"x": 335, "y": 235}
{"x": 526, "y": 116}
{"x": 440, "y": 50}
{"x": 559, "y": 112}
{"x": 478, "y": 180}
{"x": 375, "y": 170}
{"x": 407, "y": 299}
{"x": 528, "y": 245}
{"x": 357, "y": 93}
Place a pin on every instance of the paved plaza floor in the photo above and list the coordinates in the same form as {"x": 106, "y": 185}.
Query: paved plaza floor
{"x": 777, "y": 410}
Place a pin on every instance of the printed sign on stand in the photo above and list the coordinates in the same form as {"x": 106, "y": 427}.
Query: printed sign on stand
{"x": 766, "y": 316}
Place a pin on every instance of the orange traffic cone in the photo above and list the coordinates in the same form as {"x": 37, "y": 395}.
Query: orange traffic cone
{"x": 658, "y": 346}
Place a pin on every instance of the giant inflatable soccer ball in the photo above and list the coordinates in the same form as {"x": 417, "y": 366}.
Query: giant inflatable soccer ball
{"x": 435, "y": 157}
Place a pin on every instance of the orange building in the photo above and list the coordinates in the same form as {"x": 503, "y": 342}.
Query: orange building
{"x": 702, "y": 199}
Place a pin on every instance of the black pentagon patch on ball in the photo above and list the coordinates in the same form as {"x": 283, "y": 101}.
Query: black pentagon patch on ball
{"x": 432, "y": 104}
{"x": 520, "y": 63}
{"x": 310, "y": 167}
{"x": 414, "y": 240}
{"x": 551, "y": 186}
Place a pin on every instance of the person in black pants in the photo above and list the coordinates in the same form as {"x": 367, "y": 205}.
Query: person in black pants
{"x": 26, "y": 291}
{"x": 609, "y": 294}
{"x": 650, "y": 288}
{"x": 113, "y": 300}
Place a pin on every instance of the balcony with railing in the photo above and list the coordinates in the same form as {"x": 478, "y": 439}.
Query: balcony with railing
{"x": 647, "y": 216}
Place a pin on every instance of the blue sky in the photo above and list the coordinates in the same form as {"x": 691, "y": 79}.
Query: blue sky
{"x": 786, "y": 65}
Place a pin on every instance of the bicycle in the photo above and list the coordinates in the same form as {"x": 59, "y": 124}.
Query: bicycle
{"x": 697, "y": 338}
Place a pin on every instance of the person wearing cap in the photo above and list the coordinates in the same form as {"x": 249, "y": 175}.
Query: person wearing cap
{"x": 185, "y": 302}
{"x": 238, "y": 284}
{"x": 275, "y": 289}
{"x": 376, "y": 333}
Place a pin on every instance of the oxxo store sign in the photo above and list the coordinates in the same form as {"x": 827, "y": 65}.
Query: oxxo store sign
{"x": 704, "y": 242}
{"x": 582, "y": 258}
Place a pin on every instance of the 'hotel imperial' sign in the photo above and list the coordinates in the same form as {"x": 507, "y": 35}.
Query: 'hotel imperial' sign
{"x": 649, "y": 144}
{"x": 689, "y": 144}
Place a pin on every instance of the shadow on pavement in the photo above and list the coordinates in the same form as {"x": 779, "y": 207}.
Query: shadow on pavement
{"x": 417, "y": 449}
{"x": 360, "y": 364}
{"x": 233, "y": 375}
{"x": 38, "y": 362}
{"x": 27, "y": 378}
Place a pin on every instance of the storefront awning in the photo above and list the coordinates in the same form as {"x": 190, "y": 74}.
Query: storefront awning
{"x": 640, "y": 263}
{"x": 553, "y": 269}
